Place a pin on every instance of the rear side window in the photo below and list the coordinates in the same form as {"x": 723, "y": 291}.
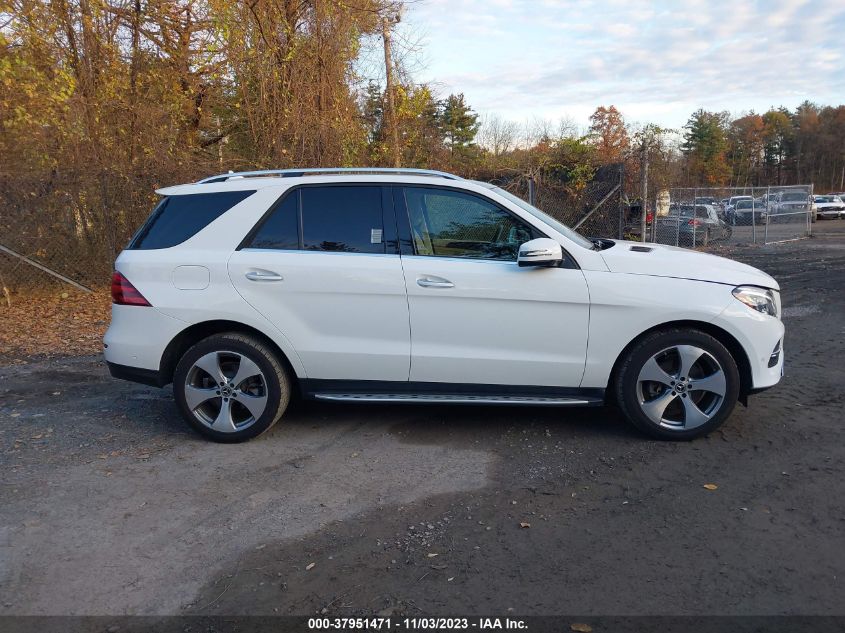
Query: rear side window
{"x": 177, "y": 218}
{"x": 347, "y": 219}
{"x": 281, "y": 229}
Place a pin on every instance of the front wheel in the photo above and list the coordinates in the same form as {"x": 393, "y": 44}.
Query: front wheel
{"x": 677, "y": 384}
{"x": 231, "y": 387}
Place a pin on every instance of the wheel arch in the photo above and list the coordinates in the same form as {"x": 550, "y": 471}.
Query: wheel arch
{"x": 737, "y": 351}
{"x": 193, "y": 334}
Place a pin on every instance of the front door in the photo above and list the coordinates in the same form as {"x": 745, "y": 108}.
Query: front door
{"x": 476, "y": 316}
{"x": 324, "y": 268}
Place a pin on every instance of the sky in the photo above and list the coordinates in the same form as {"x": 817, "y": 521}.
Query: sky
{"x": 655, "y": 61}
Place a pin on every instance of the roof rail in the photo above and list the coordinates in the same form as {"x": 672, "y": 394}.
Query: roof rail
{"x": 294, "y": 173}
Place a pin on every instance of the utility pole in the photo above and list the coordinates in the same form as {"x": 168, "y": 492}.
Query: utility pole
{"x": 644, "y": 189}
{"x": 391, "y": 106}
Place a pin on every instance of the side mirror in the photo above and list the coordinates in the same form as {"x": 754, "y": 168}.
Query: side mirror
{"x": 540, "y": 252}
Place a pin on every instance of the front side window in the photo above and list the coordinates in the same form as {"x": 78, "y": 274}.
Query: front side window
{"x": 447, "y": 223}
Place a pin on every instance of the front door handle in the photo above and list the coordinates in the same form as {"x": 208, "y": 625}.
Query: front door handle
{"x": 263, "y": 275}
{"x": 434, "y": 282}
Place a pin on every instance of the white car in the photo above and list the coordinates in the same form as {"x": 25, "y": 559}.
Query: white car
{"x": 829, "y": 207}
{"x": 379, "y": 285}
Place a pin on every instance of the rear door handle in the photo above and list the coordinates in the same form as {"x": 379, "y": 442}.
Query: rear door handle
{"x": 263, "y": 275}
{"x": 434, "y": 282}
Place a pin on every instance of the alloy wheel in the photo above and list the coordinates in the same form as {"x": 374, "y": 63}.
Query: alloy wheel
{"x": 681, "y": 387}
{"x": 226, "y": 391}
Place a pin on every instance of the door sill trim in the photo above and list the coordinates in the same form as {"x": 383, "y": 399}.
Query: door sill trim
{"x": 410, "y": 398}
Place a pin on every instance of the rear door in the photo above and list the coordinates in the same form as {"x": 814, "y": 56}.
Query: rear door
{"x": 323, "y": 266}
{"x": 476, "y": 316}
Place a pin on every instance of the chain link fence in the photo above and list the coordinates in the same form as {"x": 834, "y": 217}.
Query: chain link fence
{"x": 594, "y": 209}
{"x": 703, "y": 216}
{"x": 65, "y": 232}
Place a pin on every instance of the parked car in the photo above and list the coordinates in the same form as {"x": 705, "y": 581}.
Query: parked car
{"x": 830, "y": 207}
{"x": 414, "y": 286}
{"x": 748, "y": 210}
{"x": 688, "y": 226}
{"x": 707, "y": 200}
{"x": 730, "y": 207}
{"x": 788, "y": 206}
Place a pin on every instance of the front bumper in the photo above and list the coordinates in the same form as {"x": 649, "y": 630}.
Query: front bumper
{"x": 759, "y": 335}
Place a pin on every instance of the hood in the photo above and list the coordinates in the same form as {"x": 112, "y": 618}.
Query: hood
{"x": 682, "y": 263}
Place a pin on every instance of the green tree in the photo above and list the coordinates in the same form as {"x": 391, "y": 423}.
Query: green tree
{"x": 705, "y": 146}
{"x": 459, "y": 125}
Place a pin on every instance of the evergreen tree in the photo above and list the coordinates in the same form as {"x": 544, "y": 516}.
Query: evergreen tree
{"x": 705, "y": 144}
{"x": 459, "y": 125}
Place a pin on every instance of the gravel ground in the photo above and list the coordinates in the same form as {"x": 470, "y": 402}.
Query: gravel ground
{"x": 109, "y": 505}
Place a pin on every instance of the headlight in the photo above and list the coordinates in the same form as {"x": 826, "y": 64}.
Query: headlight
{"x": 758, "y": 299}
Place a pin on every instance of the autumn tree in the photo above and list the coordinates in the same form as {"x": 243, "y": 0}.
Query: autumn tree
{"x": 778, "y": 135}
{"x": 609, "y": 134}
{"x": 745, "y": 154}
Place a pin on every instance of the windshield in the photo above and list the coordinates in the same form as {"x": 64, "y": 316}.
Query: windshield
{"x": 826, "y": 199}
{"x": 560, "y": 227}
{"x": 794, "y": 197}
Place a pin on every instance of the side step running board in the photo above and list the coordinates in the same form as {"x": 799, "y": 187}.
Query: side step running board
{"x": 539, "y": 401}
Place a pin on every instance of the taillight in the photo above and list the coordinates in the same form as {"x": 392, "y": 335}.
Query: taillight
{"x": 123, "y": 293}
{"x": 694, "y": 222}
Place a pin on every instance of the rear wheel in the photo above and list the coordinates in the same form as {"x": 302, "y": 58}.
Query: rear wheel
{"x": 230, "y": 387}
{"x": 677, "y": 384}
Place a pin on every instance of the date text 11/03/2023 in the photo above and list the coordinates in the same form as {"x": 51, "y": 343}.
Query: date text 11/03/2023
{"x": 386, "y": 624}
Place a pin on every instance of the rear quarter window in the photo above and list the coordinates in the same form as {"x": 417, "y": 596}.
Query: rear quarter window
{"x": 178, "y": 218}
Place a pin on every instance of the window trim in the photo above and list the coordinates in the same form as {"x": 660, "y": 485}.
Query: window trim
{"x": 388, "y": 215}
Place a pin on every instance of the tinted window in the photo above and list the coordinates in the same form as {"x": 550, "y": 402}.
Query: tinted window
{"x": 448, "y": 223}
{"x": 281, "y": 229}
{"x": 346, "y": 219}
{"x": 176, "y": 218}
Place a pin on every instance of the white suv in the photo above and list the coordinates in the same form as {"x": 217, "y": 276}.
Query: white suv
{"x": 380, "y": 285}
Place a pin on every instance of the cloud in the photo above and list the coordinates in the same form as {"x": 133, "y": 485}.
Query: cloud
{"x": 548, "y": 58}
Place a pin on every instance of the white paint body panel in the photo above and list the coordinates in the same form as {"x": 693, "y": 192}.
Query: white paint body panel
{"x": 364, "y": 317}
{"x": 345, "y": 313}
{"x": 499, "y": 324}
{"x": 625, "y": 305}
{"x": 682, "y": 263}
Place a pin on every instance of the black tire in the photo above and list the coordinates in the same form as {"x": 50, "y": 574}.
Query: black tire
{"x": 276, "y": 384}
{"x": 627, "y": 386}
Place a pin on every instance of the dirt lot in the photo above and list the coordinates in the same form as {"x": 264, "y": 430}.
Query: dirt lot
{"x": 109, "y": 505}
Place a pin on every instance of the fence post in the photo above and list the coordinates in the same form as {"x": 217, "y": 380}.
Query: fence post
{"x": 644, "y": 194}
{"x": 677, "y": 223}
{"x": 768, "y": 215}
{"x": 694, "y": 214}
{"x": 753, "y": 219}
{"x": 619, "y": 207}
{"x": 532, "y": 194}
{"x": 810, "y": 212}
